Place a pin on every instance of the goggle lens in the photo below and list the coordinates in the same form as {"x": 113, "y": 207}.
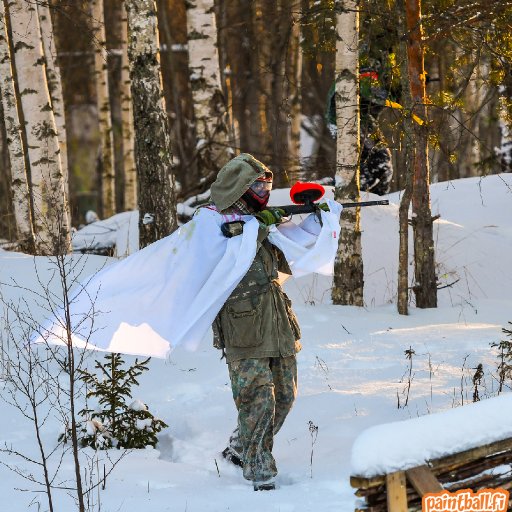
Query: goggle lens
{"x": 261, "y": 188}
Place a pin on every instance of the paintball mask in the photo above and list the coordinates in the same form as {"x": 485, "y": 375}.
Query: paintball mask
{"x": 257, "y": 195}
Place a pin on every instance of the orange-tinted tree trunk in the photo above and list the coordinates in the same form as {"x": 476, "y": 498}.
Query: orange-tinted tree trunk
{"x": 425, "y": 287}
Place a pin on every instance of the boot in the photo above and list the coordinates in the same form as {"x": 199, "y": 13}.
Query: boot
{"x": 232, "y": 456}
{"x": 264, "y": 485}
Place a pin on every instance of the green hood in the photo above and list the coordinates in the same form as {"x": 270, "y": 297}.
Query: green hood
{"x": 235, "y": 178}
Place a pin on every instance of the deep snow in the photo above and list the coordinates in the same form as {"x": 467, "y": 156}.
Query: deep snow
{"x": 352, "y": 370}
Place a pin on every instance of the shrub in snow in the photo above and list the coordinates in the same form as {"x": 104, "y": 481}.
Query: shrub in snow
{"x": 118, "y": 421}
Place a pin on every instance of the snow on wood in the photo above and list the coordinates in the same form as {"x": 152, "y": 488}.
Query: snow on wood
{"x": 405, "y": 444}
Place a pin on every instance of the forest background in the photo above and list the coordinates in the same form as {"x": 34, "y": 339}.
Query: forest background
{"x": 114, "y": 106}
{"x": 84, "y": 128}
{"x": 277, "y": 61}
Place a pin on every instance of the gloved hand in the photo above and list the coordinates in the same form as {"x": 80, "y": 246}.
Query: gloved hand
{"x": 270, "y": 216}
{"x": 324, "y": 207}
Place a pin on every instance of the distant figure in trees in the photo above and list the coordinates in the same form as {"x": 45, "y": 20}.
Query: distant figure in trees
{"x": 376, "y": 168}
{"x": 256, "y": 328}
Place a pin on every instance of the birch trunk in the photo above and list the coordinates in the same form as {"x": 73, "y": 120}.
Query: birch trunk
{"x": 108, "y": 193}
{"x": 425, "y": 286}
{"x": 19, "y": 179}
{"x": 157, "y": 202}
{"x": 129, "y": 169}
{"x": 213, "y": 143}
{"x": 293, "y": 93}
{"x": 53, "y": 78}
{"x": 51, "y": 215}
{"x": 348, "y": 265}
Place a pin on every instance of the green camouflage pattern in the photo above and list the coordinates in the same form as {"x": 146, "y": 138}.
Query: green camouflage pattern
{"x": 264, "y": 391}
{"x": 257, "y": 319}
{"x": 258, "y": 333}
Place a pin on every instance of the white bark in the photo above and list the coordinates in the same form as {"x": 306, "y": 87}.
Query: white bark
{"x": 104, "y": 114}
{"x": 209, "y": 105}
{"x": 54, "y": 85}
{"x": 51, "y": 216}
{"x": 19, "y": 180}
{"x": 347, "y": 94}
{"x": 294, "y": 75}
{"x": 129, "y": 169}
{"x": 157, "y": 200}
{"x": 348, "y": 267}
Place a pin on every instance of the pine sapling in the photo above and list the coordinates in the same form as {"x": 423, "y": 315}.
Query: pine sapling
{"x": 118, "y": 421}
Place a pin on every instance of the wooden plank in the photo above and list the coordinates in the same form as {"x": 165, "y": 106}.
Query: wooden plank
{"x": 442, "y": 464}
{"x": 396, "y": 487}
{"x": 472, "y": 469}
{"x": 361, "y": 482}
{"x": 481, "y": 482}
{"x": 423, "y": 480}
{"x": 451, "y": 462}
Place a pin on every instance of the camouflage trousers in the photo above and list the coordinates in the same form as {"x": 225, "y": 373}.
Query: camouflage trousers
{"x": 264, "y": 390}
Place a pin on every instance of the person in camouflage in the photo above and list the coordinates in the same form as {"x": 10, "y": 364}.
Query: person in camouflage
{"x": 376, "y": 168}
{"x": 256, "y": 328}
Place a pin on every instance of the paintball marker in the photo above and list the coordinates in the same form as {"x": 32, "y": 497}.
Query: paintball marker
{"x": 304, "y": 195}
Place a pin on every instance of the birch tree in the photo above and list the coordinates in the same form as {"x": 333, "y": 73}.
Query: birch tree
{"x": 293, "y": 93}
{"x": 425, "y": 283}
{"x": 213, "y": 145}
{"x": 53, "y": 78}
{"x": 19, "y": 179}
{"x": 129, "y": 169}
{"x": 108, "y": 194}
{"x": 157, "y": 200}
{"x": 51, "y": 215}
{"x": 348, "y": 265}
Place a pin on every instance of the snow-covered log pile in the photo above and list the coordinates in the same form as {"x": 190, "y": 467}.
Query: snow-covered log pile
{"x": 468, "y": 447}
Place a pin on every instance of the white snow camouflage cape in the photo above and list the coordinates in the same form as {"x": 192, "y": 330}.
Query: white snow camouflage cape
{"x": 170, "y": 292}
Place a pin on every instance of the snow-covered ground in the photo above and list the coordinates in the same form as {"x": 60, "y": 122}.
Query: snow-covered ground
{"x": 353, "y": 371}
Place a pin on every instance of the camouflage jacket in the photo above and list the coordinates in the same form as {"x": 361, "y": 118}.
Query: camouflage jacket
{"x": 257, "y": 319}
